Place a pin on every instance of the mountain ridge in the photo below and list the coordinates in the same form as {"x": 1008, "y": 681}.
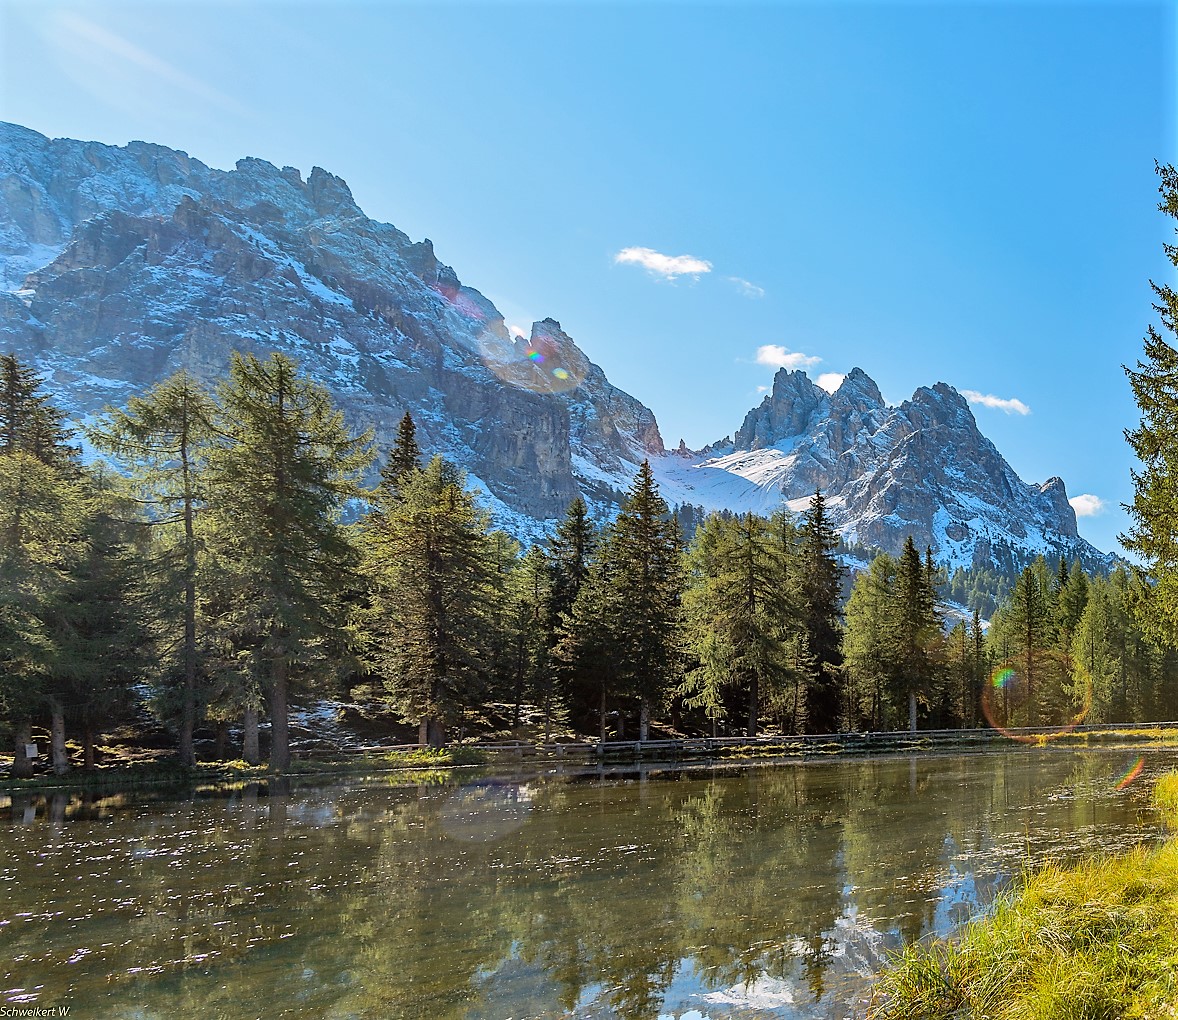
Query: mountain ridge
{"x": 121, "y": 264}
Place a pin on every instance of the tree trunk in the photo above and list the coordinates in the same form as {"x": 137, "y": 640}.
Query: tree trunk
{"x": 644, "y": 720}
{"x": 279, "y": 727}
{"x": 22, "y": 765}
{"x": 88, "y": 746}
{"x": 912, "y": 711}
{"x": 188, "y": 711}
{"x": 621, "y": 725}
{"x": 221, "y": 741}
{"x": 249, "y": 737}
{"x": 754, "y": 697}
{"x": 601, "y": 713}
{"x": 437, "y": 734}
{"x": 423, "y": 731}
{"x": 58, "y": 753}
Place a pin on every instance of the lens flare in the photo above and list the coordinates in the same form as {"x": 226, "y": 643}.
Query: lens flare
{"x": 1131, "y": 773}
{"x": 1006, "y": 704}
{"x": 546, "y": 362}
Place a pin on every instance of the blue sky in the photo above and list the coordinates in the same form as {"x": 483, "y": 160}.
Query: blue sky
{"x": 930, "y": 191}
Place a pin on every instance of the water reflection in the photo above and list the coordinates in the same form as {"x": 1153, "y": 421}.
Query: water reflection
{"x": 765, "y": 892}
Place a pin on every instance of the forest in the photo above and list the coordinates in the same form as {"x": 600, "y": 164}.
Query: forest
{"x": 224, "y": 553}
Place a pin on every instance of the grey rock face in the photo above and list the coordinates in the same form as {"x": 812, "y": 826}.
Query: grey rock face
{"x": 120, "y": 265}
{"x": 124, "y": 264}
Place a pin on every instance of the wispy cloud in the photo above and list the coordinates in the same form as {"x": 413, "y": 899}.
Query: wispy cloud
{"x": 746, "y": 288}
{"x": 515, "y": 330}
{"x": 667, "y": 266}
{"x": 1087, "y": 505}
{"x": 776, "y": 356}
{"x": 830, "y": 381}
{"x": 83, "y": 35}
{"x": 1008, "y": 405}
{"x": 762, "y": 389}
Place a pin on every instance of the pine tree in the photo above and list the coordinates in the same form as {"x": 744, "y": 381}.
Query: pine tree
{"x": 820, "y": 590}
{"x": 432, "y": 587}
{"x": 29, "y": 422}
{"x": 163, "y": 440}
{"x": 571, "y": 552}
{"x": 1026, "y": 619}
{"x": 282, "y": 474}
{"x": 1154, "y": 513}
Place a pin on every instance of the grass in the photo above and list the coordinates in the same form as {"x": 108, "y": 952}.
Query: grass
{"x": 434, "y": 757}
{"x": 1093, "y": 942}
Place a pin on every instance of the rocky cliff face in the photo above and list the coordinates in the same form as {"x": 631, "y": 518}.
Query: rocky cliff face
{"x": 119, "y": 265}
{"x": 921, "y": 469}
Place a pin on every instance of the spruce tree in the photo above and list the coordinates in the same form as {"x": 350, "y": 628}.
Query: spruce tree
{"x": 1154, "y": 513}
{"x": 432, "y": 588}
{"x": 917, "y": 627}
{"x": 282, "y": 473}
{"x": 644, "y": 571}
{"x": 404, "y": 458}
{"x": 820, "y": 591}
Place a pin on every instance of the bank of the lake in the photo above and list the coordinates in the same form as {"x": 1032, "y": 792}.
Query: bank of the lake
{"x": 1090, "y": 942}
{"x": 770, "y": 890}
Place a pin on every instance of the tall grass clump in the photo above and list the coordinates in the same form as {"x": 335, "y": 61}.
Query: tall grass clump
{"x": 1094, "y": 942}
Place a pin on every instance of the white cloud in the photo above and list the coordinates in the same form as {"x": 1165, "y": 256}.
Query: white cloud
{"x": 830, "y": 381}
{"x": 747, "y": 289}
{"x": 515, "y": 330}
{"x": 762, "y": 389}
{"x": 666, "y": 266}
{"x": 776, "y": 356}
{"x": 1010, "y": 405}
{"x": 1087, "y": 505}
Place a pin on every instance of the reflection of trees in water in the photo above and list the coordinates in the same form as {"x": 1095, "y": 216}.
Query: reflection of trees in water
{"x": 492, "y": 900}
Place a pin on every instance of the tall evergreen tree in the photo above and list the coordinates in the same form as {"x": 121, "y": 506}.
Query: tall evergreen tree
{"x": 40, "y": 519}
{"x": 1154, "y": 513}
{"x": 820, "y": 589}
{"x": 432, "y": 584}
{"x": 734, "y": 605}
{"x": 867, "y": 639}
{"x": 917, "y": 627}
{"x": 404, "y": 458}
{"x": 282, "y": 474}
{"x": 645, "y": 571}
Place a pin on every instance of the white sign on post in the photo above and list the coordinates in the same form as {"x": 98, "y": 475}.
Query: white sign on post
{"x": 30, "y": 750}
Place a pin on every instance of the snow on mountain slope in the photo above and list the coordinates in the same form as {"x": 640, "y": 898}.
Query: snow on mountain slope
{"x": 119, "y": 265}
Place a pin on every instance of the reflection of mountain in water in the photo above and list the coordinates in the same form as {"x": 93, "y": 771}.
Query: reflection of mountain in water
{"x": 773, "y": 892}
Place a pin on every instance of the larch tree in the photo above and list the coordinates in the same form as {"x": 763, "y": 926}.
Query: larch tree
{"x": 284, "y": 467}
{"x": 163, "y": 441}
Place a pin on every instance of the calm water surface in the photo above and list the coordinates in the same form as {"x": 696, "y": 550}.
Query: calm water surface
{"x": 768, "y": 892}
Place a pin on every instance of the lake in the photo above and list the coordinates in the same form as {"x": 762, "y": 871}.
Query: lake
{"x": 768, "y": 891}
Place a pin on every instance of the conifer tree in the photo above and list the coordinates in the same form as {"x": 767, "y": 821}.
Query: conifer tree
{"x": 571, "y": 552}
{"x": 734, "y": 605}
{"x": 1154, "y": 513}
{"x": 820, "y": 585}
{"x": 917, "y": 627}
{"x": 404, "y": 458}
{"x": 40, "y": 517}
{"x": 867, "y": 639}
{"x": 282, "y": 473}
{"x": 432, "y": 586}
{"x": 644, "y": 570}
{"x": 163, "y": 440}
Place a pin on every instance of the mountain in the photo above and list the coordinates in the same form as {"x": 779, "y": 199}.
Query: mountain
{"x": 120, "y": 265}
{"x": 921, "y": 469}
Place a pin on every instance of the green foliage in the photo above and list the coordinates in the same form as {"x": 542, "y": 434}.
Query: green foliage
{"x": 820, "y": 596}
{"x": 432, "y": 585}
{"x": 1154, "y": 513}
